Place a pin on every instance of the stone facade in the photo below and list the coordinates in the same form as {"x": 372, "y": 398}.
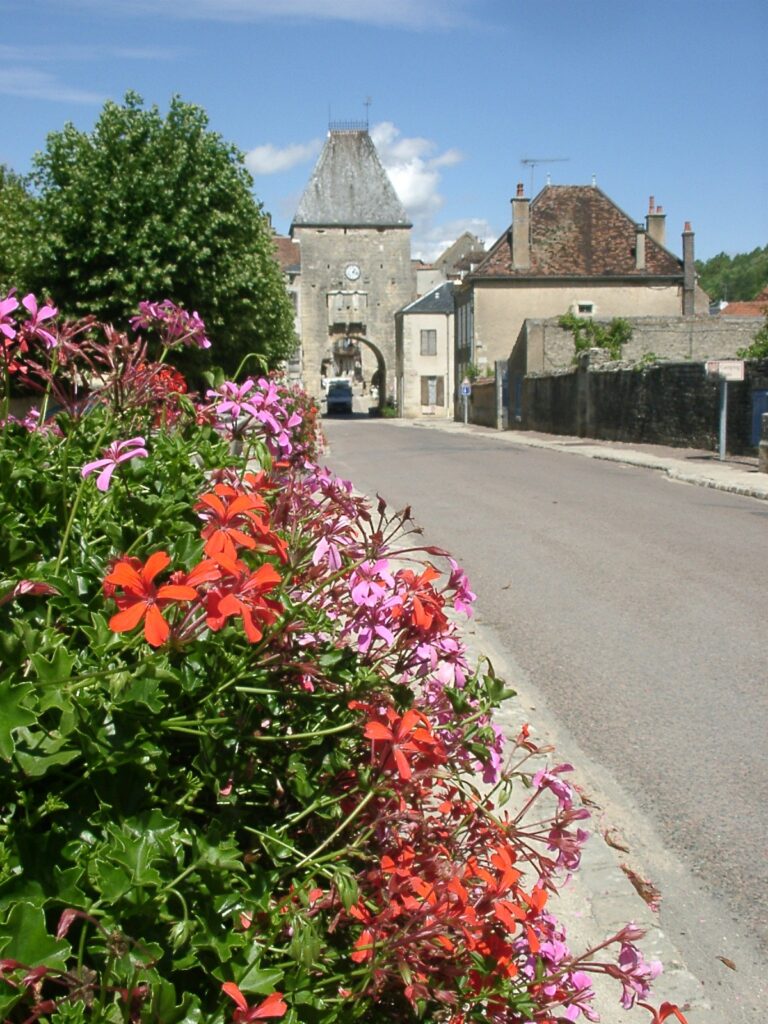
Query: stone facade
{"x": 356, "y": 271}
{"x": 669, "y": 403}
{"x": 543, "y": 346}
{"x": 570, "y": 250}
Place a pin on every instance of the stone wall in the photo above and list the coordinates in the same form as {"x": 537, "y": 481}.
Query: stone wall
{"x": 543, "y": 346}
{"x": 667, "y": 403}
{"x": 482, "y": 403}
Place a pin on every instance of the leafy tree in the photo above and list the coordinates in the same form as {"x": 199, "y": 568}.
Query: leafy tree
{"x": 18, "y": 231}
{"x": 588, "y": 333}
{"x": 153, "y": 207}
{"x": 736, "y": 278}
{"x": 759, "y": 347}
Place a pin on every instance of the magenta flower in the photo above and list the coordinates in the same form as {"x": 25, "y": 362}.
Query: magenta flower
{"x": 175, "y": 325}
{"x": 549, "y": 779}
{"x": 37, "y": 316}
{"x": 117, "y": 452}
{"x": 7, "y": 306}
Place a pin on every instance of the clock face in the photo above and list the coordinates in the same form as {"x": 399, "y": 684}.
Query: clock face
{"x": 352, "y": 272}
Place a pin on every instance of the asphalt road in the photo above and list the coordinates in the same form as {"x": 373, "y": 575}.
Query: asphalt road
{"x": 634, "y": 605}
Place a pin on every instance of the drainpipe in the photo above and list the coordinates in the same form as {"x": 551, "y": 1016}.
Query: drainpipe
{"x": 689, "y": 272}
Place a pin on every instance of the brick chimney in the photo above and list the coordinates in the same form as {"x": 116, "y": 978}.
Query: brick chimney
{"x": 639, "y": 247}
{"x": 521, "y": 231}
{"x": 655, "y": 222}
{"x": 689, "y": 272}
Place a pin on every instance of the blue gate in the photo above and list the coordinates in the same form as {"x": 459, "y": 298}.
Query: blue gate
{"x": 759, "y": 406}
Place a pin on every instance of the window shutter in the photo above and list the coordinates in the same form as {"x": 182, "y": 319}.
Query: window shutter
{"x": 425, "y": 390}
{"x": 440, "y": 391}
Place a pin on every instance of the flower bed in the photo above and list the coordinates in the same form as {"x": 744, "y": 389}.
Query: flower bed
{"x": 240, "y": 734}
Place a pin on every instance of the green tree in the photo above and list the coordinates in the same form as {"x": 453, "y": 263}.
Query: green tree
{"x": 18, "y": 231}
{"x": 153, "y": 207}
{"x": 759, "y": 347}
{"x": 736, "y": 278}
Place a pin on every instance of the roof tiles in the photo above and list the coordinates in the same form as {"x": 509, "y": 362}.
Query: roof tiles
{"x": 577, "y": 231}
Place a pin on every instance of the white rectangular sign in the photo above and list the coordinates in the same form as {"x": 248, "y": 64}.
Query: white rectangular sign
{"x": 726, "y": 369}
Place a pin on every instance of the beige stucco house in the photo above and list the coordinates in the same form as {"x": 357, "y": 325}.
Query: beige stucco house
{"x": 571, "y": 249}
{"x": 424, "y": 349}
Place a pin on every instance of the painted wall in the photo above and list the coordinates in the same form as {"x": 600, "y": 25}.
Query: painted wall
{"x": 412, "y": 365}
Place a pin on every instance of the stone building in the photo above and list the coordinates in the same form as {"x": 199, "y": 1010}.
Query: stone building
{"x": 571, "y": 249}
{"x": 424, "y": 332}
{"x": 356, "y": 272}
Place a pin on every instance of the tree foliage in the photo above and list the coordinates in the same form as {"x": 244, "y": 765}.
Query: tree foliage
{"x": 18, "y": 230}
{"x": 588, "y": 333}
{"x": 153, "y": 207}
{"x": 759, "y": 346}
{"x": 737, "y": 278}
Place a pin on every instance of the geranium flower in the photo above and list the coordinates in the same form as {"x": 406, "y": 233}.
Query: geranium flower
{"x": 227, "y": 515}
{"x": 117, "y": 452}
{"x": 38, "y": 315}
{"x": 244, "y": 596}
{"x": 409, "y": 735}
{"x": 272, "y": 1006}
{"x": 142, "y": 599}
{"x": 7, "y": 306}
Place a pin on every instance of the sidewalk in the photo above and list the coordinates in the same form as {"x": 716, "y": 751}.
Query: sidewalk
{"x": 737, "y": 474}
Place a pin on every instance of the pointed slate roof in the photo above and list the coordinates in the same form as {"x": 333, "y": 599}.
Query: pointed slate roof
{"x": 349, "y": 187}
{"x": 577, "y": 231}
{"x": 437, "y": 300}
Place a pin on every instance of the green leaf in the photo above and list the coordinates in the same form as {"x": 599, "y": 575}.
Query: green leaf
{"x": 23, "y": 937}
{"x": 56, "y": 669}
{"x": 260, "y": 981}
{"x": 13, "y": 715}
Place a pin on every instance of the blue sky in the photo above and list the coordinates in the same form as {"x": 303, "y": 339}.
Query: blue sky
{"x": 665, "y": 97}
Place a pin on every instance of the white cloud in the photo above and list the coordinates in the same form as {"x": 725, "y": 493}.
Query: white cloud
{"x": 413, "y": 14}
{"x": 41, "y": 85}
{"x": 414, "y": 169}
{"x": 271, "y": 159}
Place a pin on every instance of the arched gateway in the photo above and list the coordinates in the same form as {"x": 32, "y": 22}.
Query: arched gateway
{"x": 355, "y": 242}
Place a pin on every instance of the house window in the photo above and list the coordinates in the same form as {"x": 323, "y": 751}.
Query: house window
{"x": 585, "y": 308}
{"x": 429, "y": 343}
{"x": 432, "y": 391}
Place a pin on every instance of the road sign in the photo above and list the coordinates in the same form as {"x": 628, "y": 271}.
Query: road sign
{"x": 466, "y": 390}
{"x": 725, "y": 369}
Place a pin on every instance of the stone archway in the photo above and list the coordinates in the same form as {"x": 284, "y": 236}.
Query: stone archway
{"x": 381, "y": 367}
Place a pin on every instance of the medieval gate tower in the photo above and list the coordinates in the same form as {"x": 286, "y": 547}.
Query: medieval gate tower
{"x": 355, "y": 240}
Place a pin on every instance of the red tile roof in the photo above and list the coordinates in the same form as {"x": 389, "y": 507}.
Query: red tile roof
{"x": 757, "y": 307}
{"x": 577, "y": 231}
{"x": 287, "y": 252}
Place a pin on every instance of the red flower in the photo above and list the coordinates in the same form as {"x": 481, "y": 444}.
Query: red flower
{"x": 243, "y": 595}
{"x": 142, "y": 599}
{"x": 228, "y": 515}
{"x": 272, "y": 1006}
{"x": 410, "y": 735}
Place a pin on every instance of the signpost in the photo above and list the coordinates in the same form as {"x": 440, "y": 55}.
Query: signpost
{"x": 466, "y": 391}
{"x": 724, "y": 370}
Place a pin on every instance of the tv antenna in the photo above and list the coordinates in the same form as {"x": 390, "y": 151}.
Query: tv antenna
{"x": 534, "y": 161}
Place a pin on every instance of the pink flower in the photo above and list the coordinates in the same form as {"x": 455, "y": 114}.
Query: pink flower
{"x": 38, "y": 315}
{"x": 175, "y": 325}
{"x": 548, "y": 779}
{"x": 117, "y": 452}
{"x": 7, "y": 306}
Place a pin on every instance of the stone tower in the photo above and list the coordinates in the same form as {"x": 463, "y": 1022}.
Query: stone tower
{"x": 355, "y": 240}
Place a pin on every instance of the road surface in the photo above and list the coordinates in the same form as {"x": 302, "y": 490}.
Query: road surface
{"x": 634, "y": 607}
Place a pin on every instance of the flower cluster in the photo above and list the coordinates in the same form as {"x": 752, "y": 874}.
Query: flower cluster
{"x": 277, "y": 820}
{"x": 173, "y": 324}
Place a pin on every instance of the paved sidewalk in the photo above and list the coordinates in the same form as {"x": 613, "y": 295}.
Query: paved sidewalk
{"x": 737, "y": 474}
